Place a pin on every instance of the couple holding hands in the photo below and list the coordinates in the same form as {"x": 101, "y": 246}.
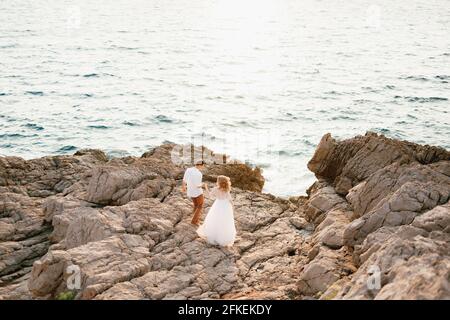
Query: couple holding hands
{"x": 218, "y": 227}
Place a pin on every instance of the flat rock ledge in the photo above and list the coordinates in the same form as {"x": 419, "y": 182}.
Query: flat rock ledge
{"x": 375, "y": 225}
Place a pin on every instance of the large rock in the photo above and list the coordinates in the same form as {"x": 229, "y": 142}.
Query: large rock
{"x": 412, "y": 268}
{"x": 23, "y": 235}
{"x": 125, "y": 224}
{"x": 377, "y": 239}
{"x": 394, "y": 219}
{"x": 322, "y": 199}
{"x": 241, "y": 175}
{"x": 415, "y": 190}
{"x": 46, "y": 176}
{"x": 346, "y": 163}
{"x": 327, "y": 267}
{"x": 24, "y": 184}
{"x": 437, "y": 219}
{"x": 380, "y": 204}
{"x": 111, "y": 185}
{"x": 383, "y": 183}
{"x": 102, "y": 264}
{"x": 330, "y": 232}
{"x": 169, "y": 260}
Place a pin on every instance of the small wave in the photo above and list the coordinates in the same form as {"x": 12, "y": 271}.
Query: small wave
{"x": 164, "y": 119}
{"x": 326, "y": 98}
{"x": 442, "y": 77}
{"x": 122, "y": 47}
{"x": 87, "y": 95}
{"x": 289, "y": 117}
{"x": 287, "y": 153}
{"x": 333, "y": 92}
{"x": 3, "y": 94}
{"x": 411, "y": 116}
{"x": 342, "y": 118}
{"x": 263, "y": 165}
{"x": 389, "y": 86}
{"x": 12, "y": 135}
{"x": 415, "y": 78}
{"x": 430, "y": 99}
{"x": 100, "y": 126}
{"x": 33, "y": 126}
{"x": 7, "y": 46}
{"x": 117, "y": 154}
{"x": 67, "y": 148}
{"x": 361, "y": 101}
{"x": 309, "y": 143}
{"x": 245, "y": 124}
{"x": 422, "y": 99}
{"x": 130, "y": 123}
{"x": 35, "y": 93}
{"x": 91, "y": 75}
{"x": 381, "y": 130}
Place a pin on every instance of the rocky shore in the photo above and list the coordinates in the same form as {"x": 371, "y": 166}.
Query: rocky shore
{"x": 375, "y": 225}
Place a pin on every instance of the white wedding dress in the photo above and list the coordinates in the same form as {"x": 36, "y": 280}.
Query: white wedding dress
{"x": 218, "y": 227}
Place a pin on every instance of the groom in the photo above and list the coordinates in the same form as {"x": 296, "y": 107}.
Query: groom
{"x": 192, "y": 183}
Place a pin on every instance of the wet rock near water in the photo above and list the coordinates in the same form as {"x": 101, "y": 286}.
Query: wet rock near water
{"x": 382, "y": 205}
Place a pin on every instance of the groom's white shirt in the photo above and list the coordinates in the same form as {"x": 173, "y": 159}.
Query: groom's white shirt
{"x": 193, "y": 179}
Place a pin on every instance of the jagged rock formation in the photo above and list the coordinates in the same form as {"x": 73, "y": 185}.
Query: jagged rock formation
{"x": 24, "y": 186}
{"x": 383, "y": 205}
{"x": 125, "y": 224}
{"x": 379, "y": 205}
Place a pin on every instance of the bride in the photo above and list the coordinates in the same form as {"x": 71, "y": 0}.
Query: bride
{"x": 218, "y": 227}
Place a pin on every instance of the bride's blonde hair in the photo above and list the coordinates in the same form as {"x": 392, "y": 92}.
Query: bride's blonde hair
{"x": 224, "y": 183}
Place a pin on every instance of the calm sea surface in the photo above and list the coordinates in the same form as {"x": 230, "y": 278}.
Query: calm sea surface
{"x": 262, "y": 80}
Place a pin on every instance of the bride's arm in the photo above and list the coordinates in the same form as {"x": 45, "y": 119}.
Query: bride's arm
{"x": 230, "y": 199}
{"x": 207, "y": 192}
{"x": 211, "y": 193}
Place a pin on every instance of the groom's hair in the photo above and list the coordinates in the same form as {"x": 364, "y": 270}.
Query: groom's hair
{"x": 200, "y": 163}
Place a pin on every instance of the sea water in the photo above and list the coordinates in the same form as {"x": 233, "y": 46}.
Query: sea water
{"x": 261, "y": 80}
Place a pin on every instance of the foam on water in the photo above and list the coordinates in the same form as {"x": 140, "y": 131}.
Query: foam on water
{"x": 262, "y": 80}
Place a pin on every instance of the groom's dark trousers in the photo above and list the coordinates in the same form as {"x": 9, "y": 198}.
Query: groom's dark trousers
{"x": 198, "y": 207}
